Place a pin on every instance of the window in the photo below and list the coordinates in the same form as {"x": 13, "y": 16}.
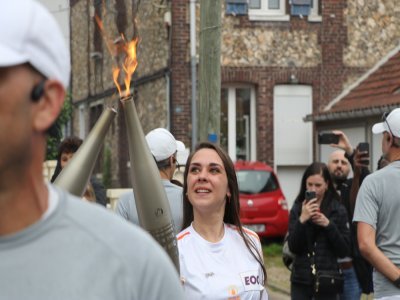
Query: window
{"x": 315, "y": 15}
{"x": 255, "y": 182}
{"x": 268, "y": 10}
{"x": 238, "y": 122}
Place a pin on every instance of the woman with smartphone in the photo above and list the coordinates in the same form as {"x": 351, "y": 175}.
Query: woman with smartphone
{"x": 318, "y": 235}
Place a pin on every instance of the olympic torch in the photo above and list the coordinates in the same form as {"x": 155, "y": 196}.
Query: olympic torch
{"x": 76, "y": 174}
{"x": 151, "y": 200}
{"x": 152, "y": 204}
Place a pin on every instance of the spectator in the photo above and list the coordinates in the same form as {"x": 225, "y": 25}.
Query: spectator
{"x": 66, "y": 150}
{"x": 377, "y": 213}
{"x": 356, "y": 270}
{"x": 164, "y": 148}
{"x": 318, "y": 233}
{"x": 219, "y": 259}
{"x": 52, "y": 244}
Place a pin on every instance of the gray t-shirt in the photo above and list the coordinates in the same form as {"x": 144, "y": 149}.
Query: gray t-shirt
{"x": 126, "y": 206}
{"x": 378, "y": 204}
{"x": 82, "y": 251}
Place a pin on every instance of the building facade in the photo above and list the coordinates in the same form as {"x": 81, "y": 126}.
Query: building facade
{"x": 279, "y": 63}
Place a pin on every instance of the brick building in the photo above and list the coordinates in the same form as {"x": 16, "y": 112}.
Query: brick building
{"x": 279, "y": 63}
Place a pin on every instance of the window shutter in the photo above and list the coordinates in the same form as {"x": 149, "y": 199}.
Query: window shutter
{"x": 300, "y": 7}
{"x": 236, "y": 7}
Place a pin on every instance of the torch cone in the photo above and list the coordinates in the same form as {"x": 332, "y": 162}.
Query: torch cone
{"x": 76, "y": 174}
{"x": 151, "y": 200}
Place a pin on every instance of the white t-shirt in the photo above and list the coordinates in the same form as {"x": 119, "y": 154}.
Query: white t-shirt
{"x": 222, "y": 270}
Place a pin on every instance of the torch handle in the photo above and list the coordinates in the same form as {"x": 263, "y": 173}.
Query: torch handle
{"x": 166, "y": 237}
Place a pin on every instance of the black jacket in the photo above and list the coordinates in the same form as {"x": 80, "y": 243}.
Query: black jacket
{"x": 362, "y": 267}
{"x": 328, "y": 243}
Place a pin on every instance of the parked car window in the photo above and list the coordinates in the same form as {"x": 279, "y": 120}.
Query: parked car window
{"x": 254, "y": 182}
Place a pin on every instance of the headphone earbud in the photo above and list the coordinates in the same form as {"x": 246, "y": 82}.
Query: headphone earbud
{"x": 38, "y": 91}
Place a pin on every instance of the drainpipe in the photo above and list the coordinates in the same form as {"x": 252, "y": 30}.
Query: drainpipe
{"x": 193, "y": 61}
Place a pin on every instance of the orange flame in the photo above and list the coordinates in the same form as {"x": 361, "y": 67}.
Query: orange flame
{"x": 129, "y": 65}
{"x": 130, "y": 62}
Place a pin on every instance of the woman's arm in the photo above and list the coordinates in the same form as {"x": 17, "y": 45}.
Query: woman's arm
{"x": 297, "y": 231}
{"x": 338, "y": 233}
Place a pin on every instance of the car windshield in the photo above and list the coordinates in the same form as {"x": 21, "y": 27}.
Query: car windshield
{"x": 254, "y": 182}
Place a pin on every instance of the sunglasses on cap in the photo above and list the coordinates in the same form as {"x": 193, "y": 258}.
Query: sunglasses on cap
{"x": 384, "y": 118}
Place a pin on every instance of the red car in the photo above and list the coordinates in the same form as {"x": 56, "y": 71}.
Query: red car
{"x": 263, "y": 207}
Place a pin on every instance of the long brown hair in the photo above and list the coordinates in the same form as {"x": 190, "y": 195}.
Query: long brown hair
{"x": 232, "y": 207}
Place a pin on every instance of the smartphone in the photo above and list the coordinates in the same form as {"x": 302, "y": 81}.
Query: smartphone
{"x": 328, "y": 138}
{"x": 363, "y": 147}
{"x": 310, "y": 195}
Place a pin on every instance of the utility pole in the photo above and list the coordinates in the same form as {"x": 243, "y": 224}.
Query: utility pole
{"x": 210, "y": 70}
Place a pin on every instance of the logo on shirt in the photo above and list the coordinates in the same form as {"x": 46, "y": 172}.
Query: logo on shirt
{"x": 251, "y": 281}
{"x": 233, "y": 292}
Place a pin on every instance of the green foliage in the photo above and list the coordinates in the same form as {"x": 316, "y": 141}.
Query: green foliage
{"x": 55, "y": 133}
{"x": 273, "y": 249}
{"x": 107, "y": 167}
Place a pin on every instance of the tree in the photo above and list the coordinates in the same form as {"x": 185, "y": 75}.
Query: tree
{"x": 107, "y": 167}
{"x": 55, "y": 132}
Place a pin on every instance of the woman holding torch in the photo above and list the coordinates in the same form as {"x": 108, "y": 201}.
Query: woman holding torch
{"x": 219, "y": 259}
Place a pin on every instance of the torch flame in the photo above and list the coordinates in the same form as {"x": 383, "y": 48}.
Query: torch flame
{"x": 130, "y": 62}
{"x": 128, "y": 48}
{"x": 115, "y": 74}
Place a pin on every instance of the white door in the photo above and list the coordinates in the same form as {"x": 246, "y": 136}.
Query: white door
{"x": 292, "y": 136}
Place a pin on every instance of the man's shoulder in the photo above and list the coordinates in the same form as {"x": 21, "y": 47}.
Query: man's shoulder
{"x": 96, "y": 222}
{"x": 170, "y": 185}
{"x": 127, "y": 196}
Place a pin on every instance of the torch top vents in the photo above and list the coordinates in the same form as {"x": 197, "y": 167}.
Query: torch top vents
{"x": 30, "y": 34}
{"x": 162, "y": 143}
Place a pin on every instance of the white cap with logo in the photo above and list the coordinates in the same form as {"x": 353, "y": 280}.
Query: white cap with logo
{"x": 30, "y": 34}
{"x": 162, "y": 143}
{"x": 391, "y": 124}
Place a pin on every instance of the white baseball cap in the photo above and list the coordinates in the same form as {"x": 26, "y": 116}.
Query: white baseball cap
{"x": 391, "y": 123}
{"x": 30, "y": 34}
{"x": 162, "y": 143}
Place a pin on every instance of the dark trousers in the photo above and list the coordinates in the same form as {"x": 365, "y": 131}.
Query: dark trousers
{"x": 300, "y": 291}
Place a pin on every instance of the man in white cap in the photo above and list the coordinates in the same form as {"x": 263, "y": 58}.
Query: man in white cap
{"x": 54, "y": 245}
{"x": 377, "y": 213}
{"x": 164, "y": 149}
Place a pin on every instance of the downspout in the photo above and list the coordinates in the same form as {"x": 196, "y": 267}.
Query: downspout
{"x": 168, "y": 24}
{"x": 193, "y": 61}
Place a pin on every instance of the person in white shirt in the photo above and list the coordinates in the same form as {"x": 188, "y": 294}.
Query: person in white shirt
{"x": 219, "y": 259}
{"x": 164, "y": 148}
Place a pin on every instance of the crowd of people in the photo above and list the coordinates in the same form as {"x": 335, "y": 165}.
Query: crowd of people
{"x": 342, "y": 231}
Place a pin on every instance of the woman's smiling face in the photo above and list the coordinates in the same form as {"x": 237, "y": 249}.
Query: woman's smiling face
{"x": 207, "y": 182}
